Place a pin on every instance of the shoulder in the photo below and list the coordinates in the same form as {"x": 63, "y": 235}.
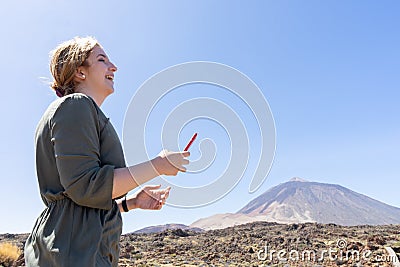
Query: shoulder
{"x": 75, "y": 102}
{"x": 75, "y": 106}
{"x": 74, "y": 111}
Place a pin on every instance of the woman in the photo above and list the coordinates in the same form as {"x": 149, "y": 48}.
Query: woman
{"x": 81, "y": 168}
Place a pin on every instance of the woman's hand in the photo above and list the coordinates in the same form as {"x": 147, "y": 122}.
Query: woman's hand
{"x": 150, "y": 197}
{"x": 170, "y": 163}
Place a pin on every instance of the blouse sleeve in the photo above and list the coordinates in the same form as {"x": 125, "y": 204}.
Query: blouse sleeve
{"x": 75, "y": 137}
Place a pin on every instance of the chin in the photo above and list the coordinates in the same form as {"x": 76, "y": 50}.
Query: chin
{"x": 110, "y": 91}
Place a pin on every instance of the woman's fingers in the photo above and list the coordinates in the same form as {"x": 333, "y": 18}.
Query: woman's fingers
{"x": 185, "y": 154}
{"x": 182, "y": 169}
{"x": 178, "y": 161}
{"x": 167, "y": 191}
{"x": 159, "y": 194}
{"x": 182, "y": 161}
{"x": 165, "y": 195}
{"x": 171, "y": 163}
{"x": 151, "y": 187}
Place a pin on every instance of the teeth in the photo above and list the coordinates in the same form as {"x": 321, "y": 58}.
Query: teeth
{"x": 109, "y": 77}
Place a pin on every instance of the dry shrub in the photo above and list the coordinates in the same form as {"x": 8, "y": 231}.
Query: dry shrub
{"x": 9, "y": 253}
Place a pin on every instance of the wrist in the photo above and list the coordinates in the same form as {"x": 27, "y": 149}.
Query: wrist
{"x": 156, "y": 164}
{"x": 132, "y": 203}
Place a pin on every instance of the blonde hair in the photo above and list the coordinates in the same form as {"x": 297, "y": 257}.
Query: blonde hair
{"x": 65, "y": 60}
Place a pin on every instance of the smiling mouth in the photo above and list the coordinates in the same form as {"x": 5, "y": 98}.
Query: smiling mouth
{"x": 110, "y": 77}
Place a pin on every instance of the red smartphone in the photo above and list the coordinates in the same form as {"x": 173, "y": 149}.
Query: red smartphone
{"x": 190, "y": 142}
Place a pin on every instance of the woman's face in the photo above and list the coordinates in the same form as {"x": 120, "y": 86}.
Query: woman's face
{"x": 99, "y": 74}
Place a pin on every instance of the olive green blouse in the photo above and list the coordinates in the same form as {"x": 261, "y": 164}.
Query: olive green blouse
{"x": 77, "y": 150}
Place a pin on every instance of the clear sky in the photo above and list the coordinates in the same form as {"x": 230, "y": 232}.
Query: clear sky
{"x": 328, "y": 69}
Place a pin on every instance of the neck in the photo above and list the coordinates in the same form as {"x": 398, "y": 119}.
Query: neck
{"x": 99, "y": 99}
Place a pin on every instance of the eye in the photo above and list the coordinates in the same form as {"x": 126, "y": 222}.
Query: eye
{"x": 102, "y": 60}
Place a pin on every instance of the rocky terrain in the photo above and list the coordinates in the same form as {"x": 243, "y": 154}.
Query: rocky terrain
{"x": 297, "y": 223}
{"x": 258, "y": 244}
{"x": 160, "y": 228}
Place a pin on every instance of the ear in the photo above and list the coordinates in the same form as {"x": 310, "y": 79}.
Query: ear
{"x": 80, "y": 73}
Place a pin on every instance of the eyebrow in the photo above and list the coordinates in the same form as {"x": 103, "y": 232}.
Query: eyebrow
{"x": 101, "y": 55}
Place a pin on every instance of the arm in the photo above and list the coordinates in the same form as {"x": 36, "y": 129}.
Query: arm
{"x": 166, "y": 163}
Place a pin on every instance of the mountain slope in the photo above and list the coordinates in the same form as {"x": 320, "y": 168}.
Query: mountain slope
{"x": 299, "y": 201}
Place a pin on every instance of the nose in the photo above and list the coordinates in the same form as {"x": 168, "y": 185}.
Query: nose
{"x": 113, "y": 68}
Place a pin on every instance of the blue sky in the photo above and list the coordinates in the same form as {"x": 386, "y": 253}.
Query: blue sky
{"x": 328, "y": 69}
